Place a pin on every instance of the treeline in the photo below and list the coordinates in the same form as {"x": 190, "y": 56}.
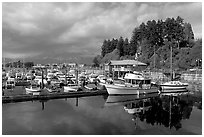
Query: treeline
{"x": 19, "y": 64}
{"x": 151, "y": 42}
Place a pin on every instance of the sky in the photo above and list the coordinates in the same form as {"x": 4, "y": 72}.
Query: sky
{"x": 76, "y": 31}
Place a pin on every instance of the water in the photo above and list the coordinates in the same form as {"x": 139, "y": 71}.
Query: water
{"x": 102, "y": 115}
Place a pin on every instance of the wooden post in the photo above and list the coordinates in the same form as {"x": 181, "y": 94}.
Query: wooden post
{"x": 43, "y": 105}
{"x": 77, "y": 101}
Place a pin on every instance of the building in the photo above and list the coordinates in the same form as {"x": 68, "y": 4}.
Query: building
{"x": 120, "y": 67}
{"x": 72, "y": 65}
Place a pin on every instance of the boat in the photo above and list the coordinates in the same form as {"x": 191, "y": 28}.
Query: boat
{"x": 91, "y": 87}
{"x": 52, "y": 89}
{"x": 71, "y": 86}
{"x": 173, "y": 85}
{"x": 34, "y": 89}
{"x": 102, "y": 78}
{"x": 10, "y": 83}
{"x": 133, "y": 83}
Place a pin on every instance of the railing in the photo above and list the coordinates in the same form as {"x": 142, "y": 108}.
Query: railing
{"x": 122, "y": 69}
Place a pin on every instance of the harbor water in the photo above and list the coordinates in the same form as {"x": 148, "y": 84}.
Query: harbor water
{"x": 105, "y": 115}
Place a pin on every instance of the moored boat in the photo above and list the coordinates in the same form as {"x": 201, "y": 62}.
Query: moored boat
{"x": 172, "y": 86}
{"x": 132, "y": 84}
{"x": 10, "y": 83}
{"x": 34, "y": 89}
{"x": 71, "y": 86}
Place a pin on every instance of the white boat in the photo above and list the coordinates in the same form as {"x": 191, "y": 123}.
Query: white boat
{"x": 172, "y": 86}
{"x": 132, "y": 84}
{"x": 33, "y": 89}
{"x": 10, "y": 83}
{"x": 71, "y": 87}
{"x": 38, "y": 79}
{"x": 102, "y": 78}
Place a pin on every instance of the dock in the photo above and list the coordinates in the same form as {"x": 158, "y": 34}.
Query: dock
{"x": 22, "y": 98}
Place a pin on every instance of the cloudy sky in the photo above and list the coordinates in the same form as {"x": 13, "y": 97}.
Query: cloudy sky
{"x": 77, "y": 30}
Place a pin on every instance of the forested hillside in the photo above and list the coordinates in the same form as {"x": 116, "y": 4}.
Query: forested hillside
{"x": 151, "y": 42}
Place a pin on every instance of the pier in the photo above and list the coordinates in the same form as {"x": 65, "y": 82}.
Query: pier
{"x": 48, "y": 96}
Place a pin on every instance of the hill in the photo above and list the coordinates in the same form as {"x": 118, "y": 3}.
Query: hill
{"x": 151, "y": 43}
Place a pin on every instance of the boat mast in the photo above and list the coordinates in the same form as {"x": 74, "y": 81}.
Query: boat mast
{"x": 23, "y": 67}
{"x": 154, "y": 58}
{"x": 171, "y": 61}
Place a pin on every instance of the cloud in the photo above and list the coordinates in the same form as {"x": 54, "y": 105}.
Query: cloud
{"x": 55, "y": 29}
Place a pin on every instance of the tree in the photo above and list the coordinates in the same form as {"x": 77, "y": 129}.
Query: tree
{"x": 120, "y": 46}
{"x": 104, "y": 48}
{"x": 126, "y": 47}
{"x": 173, "y": 30}
{"x": 29, "y": 64}
{"x": 188, "y": 32}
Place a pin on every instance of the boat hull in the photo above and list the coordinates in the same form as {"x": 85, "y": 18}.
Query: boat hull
{"x": 32, "y": 90}
{"x": 173, "y": 88}
{"x": 122, "y": 90}
{"x": 70, "y": 88}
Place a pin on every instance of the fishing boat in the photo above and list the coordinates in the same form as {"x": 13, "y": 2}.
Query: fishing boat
{"x": 133, "y": 83}
{"x": 33, "y": 89}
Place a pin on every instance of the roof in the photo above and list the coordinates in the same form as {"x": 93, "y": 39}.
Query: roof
{"x": 127, "y": 62}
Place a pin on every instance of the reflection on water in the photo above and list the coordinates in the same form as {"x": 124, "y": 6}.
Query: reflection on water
{"x": 161, "y": 110}
{"x": 146, "y": 114}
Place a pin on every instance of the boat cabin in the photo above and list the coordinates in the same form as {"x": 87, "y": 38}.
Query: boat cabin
{"x": 133, "y": 80}
{"x": 10, "y": 83}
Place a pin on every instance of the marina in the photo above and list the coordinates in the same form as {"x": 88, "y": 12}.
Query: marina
{"x": 101, "y": 68}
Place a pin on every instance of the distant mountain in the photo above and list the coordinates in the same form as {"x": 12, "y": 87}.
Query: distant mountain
{"x": 47, "y": 60}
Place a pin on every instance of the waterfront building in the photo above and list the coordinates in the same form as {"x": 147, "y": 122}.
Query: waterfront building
{"x": 72, "y": 65}
{"x": 120, "y": 67}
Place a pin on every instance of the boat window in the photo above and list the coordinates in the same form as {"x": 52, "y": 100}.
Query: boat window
{"x": 147, "y": 81}
{"x": 134, "y": 81}
{"x": 128, "y": 80}
{"x": 141, "y": 82}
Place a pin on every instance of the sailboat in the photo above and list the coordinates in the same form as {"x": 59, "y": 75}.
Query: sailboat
{"x": 173, "y": 86}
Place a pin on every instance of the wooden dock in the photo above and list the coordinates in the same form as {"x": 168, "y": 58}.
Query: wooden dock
{"x": 22, "y": 98}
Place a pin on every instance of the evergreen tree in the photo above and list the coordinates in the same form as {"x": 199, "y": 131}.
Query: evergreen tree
{"x": 104, "y": 48}
{"x": 120, "y": 46}
{"x": 188, "y": 32}
{"x": 126, "y": 47}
